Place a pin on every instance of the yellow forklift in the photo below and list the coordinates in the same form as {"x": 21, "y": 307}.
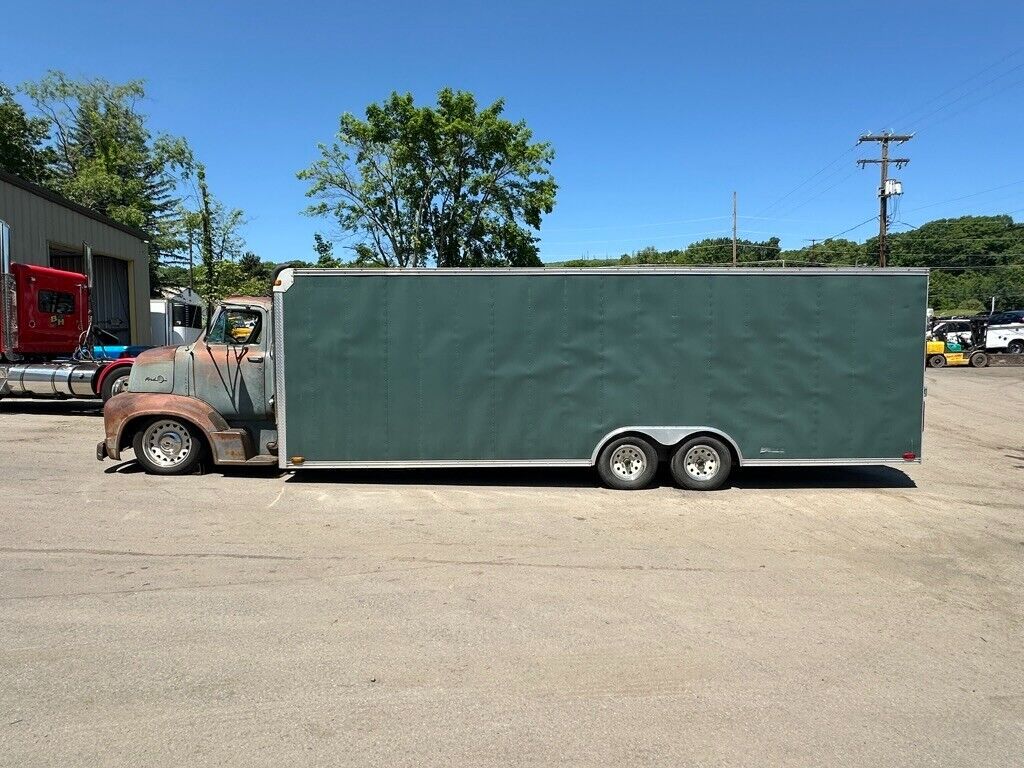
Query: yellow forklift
{"x": 939, "y": 353}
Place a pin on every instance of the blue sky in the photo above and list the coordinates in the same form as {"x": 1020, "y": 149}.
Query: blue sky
{"x": 657, "y": 111}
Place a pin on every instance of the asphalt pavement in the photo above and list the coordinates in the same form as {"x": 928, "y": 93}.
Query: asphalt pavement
{"x": 804, "y": 617}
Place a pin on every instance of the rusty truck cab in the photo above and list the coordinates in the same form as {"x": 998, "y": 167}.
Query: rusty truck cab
{"x": 213, "y": 397}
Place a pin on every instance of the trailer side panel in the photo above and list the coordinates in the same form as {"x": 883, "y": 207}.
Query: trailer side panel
{"x": 795, "y": 366}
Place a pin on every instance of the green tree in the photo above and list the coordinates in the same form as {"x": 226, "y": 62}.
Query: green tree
{"x": 324, "y": 252}
{"x": 835, "y": 251}
{"x": 221, "y": 243}
{"x": 107, "y": 159}
{"x": 23, "y": 149}
{"x": 453, "y": 183}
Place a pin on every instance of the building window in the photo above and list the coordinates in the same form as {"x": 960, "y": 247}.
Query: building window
{"x": 56, "y": 303}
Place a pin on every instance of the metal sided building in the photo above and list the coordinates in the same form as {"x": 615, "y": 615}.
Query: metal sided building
{"x": 51, "y": 231}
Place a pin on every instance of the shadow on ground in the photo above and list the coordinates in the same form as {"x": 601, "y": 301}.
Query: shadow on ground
{"x": 533, "y": 477}
{"x": 782, "y": 478}
{"x": 821, "y": 477}
{"x": 51, "y": 407}
{"x": 540, "y": 477}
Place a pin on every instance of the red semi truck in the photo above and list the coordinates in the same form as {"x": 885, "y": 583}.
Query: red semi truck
{"x": 47, "y": 341}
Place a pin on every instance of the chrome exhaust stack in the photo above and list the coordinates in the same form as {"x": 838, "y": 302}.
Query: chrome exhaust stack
{"x": 8, "y": 298}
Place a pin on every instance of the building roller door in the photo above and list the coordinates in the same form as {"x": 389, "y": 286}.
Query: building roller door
{"x": 110, "y": 292}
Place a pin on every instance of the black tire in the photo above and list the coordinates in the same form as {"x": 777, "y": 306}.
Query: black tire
{"x": 115, "y": 383}
{"x": 978, "y": 360}
{"x": 628, "y": 463}
{"x": 937, "y": 361}
{"x": 709, "y": 467}
{"x": 1015, "y": 347}
{"x": 174, "y": 446}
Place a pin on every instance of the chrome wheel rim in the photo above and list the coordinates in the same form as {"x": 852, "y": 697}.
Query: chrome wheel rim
{"x": 628, "y": 462}
{"x": 167, "y": 443}
{"x": 119, "y": 386}
{"x": 702, "y": 462}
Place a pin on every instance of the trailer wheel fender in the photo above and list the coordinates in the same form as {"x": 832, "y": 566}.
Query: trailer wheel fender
{"x": 120, "y": 364}
{"x": 667, "y": 437}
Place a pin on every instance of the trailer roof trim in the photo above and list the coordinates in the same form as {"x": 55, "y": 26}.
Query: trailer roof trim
{"x": 844, "y": 271}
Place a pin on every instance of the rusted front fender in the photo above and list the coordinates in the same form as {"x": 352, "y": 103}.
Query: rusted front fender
{"x": 227, "y": 445}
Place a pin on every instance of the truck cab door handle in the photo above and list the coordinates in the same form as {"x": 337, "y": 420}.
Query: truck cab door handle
{"x": 255, "y": 359}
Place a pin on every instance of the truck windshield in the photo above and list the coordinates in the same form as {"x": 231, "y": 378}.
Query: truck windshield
{"x": 235, "y": 326}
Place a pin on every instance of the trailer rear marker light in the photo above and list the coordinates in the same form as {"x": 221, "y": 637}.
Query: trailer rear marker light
{"x": 909, "y": 456}
{"x": 297, "y": 459}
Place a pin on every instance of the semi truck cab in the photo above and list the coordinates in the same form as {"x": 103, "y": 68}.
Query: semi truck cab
{"x": 48, "y": 344}
{"x": 217, "y": 392}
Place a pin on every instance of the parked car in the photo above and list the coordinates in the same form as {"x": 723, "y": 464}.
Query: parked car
{"x": 1007, "y": 318}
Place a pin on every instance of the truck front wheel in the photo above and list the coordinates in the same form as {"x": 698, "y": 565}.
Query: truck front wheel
{"x": 167, "y": 446}
{"x": 701, "y": 464}
{"x": 628, "y": 463}
{"x": 1016, "y": 346}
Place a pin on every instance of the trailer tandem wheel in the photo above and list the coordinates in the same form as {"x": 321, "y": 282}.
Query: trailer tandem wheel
{"x": 701, "y": 464}
{"x": 628, "y": 463}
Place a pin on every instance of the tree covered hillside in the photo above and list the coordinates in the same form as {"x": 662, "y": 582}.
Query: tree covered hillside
{"x": 972, "y": 258}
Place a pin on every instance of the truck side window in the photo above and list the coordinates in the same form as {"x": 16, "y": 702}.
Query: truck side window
{"x": 235, "y": 326}
{"x": 56, "y": 303}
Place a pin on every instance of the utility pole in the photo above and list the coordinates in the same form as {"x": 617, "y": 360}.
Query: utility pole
{"x": 734, "y": 229}
{"x": 888, "y": 187}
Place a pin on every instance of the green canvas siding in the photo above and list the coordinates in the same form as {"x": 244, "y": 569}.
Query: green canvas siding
{"x": 541, "y": 365}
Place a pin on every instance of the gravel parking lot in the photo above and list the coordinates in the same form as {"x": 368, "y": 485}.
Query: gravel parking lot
{"x": 800, "y": 617}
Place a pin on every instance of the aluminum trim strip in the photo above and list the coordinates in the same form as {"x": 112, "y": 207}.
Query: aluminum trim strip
{"x": 652, "y": 270}
{"x": 826, "y": 462}
{"x": 440, "y": 464}
{"x": 280, "y": 406}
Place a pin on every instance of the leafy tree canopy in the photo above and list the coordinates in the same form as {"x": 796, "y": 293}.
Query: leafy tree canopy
{"x": 453, "y": 184}
{"x": 106, "y": 157}
{"x": 23, "y": 149}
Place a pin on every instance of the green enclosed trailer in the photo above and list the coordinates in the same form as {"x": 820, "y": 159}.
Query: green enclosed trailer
{"x": 546, "y": 367}
{"x": 707, "y": 369}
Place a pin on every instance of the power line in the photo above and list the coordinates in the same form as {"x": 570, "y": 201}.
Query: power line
{"x": 839, "y": 234}
{"x": 646, "y": 224}
{"x": 965, "y": 94}
{"x": 822, "y": 192}
{"x": 807, "y": 180}
{"x": 629, "y": 239}
{"x": 958, "y": 85}
{"x": 964, "y": 197}
{"x": 976, "y": 103}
